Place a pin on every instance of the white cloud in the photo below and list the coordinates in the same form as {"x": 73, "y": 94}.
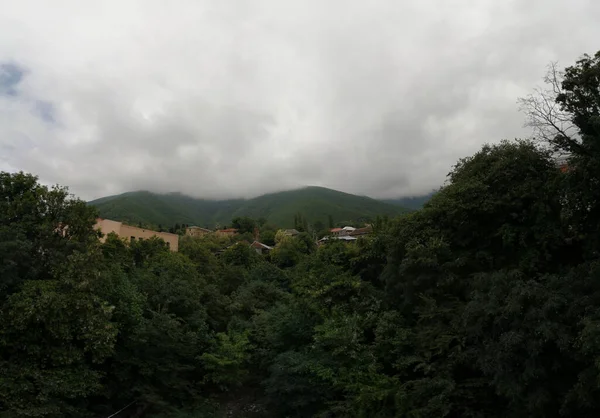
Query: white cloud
{"x": 222, "y": 99}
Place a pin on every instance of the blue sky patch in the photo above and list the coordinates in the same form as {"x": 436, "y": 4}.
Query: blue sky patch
{"x": 10, "y": 77}
{"x": 45, "y": 110}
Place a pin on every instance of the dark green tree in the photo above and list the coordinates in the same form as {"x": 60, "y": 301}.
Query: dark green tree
{"x": 268, "y": 237}
{"x": 40, "y": 228}
{"x": 244, "y": 224}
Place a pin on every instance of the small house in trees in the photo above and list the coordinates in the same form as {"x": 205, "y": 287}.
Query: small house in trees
{"x": 344, "y": 238}
{"x": 260, "y": 248}
{"x": 359, "y": 232}
{"x": 337, "y": 232}
{"x": 227, "y": 232}
{"x": 196, "y": 231}
{"x": 291, "y": 232}
{"x": 349, "y": 231}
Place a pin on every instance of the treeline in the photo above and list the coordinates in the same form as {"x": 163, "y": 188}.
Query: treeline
{"x": 250, "y": 227}
{"x": 486, "y": 303}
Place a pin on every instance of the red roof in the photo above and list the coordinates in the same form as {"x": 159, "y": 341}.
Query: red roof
{"x": 336, "y": 229}
{"x": 362, "y": 231}
{"x": 227, "y": 230}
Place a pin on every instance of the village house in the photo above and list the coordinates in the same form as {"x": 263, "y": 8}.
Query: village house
{"x": 345, "y": 238}
{"x": 260, "y": 248}
{"x": 337, "y": 232}
{"x": 291, "y": 232}
{"x": 347, "y": 234}
{"x": 196, "y": 231}
{"x": 351, "y": 231}
{"x": 359, "y": 232}
{"x": 226, "y": 232}
{"x": 132, "y": 233}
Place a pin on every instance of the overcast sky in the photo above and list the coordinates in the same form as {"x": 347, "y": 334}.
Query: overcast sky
{"x": 231, "y": 98}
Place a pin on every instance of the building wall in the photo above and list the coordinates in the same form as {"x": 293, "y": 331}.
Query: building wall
{"x": 106, "y": 226}
{"x": 139, "y": 233}
{"x": 226, "y": 233}
{"x": 196, "y": 232}
{"x": 126, "y": 231}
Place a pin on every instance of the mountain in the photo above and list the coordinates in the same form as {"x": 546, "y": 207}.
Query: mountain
{"x": 314, "y": 203}
{"x": 411, "y": 202}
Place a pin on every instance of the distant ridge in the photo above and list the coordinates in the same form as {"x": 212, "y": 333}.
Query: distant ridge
{"x": 411, "y": 202}
{"x": 316, "y": 204}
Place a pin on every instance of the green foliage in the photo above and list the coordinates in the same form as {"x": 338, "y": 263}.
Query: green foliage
{"x": 34, "y": 239}
{"x": 226, "y": 363}
{"x": 240, "y": 254}
{"x": 268, "y": 237}
{"x": 287, "y": 253}
{"x": 51, "y": 336}
{"x": 244, "y": 224}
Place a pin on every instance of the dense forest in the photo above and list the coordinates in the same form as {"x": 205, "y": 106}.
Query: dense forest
{"x": 485, "y": 303}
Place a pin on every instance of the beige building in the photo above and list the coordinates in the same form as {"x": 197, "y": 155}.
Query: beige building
{"x": 196, "y": 231}
{"x": 226, "y": 232}
{"x": 106, "y": 226}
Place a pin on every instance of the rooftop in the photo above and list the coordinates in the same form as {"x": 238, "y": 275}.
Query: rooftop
{"x": 260, "y": 245}
{"x": 343, "y": 238}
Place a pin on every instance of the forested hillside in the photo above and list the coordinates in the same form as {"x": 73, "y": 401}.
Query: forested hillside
{"x": 485, "y": 303}
{"x": 165, "y": 209}
{"x": 316, "y": 204}
{"x": 411, "y": 202}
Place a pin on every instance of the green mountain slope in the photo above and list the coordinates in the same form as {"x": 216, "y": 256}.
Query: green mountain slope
{"x": 314, "y": 203}
{"x": 164, "y": 209}
{"x": 411, "y": 202}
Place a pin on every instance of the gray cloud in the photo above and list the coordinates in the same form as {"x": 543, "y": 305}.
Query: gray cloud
{"x": 238, "y": 98}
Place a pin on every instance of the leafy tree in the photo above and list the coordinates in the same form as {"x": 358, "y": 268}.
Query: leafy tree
{"x": 261, "y": 222}
{"x": 39, "y": 229}
{"x": 287, "y": 253}
{"x": 164, "y": 372}
{"x": 305, "y": 243}
{"x": 240, "y": 254}
{"x": 226, "y": 363}
{"x": 254, "y": 297}
{"x": 244, "y": 224}
{"x": 300, "y": 223}
{"x": 318, "y": 226}
{"x": 53, "y": 333}
{"x": 54, "y": 329}
{"x": 280, "y": 236}
{"x": 267, "y": 237}
{"x": 246, "y": 237}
